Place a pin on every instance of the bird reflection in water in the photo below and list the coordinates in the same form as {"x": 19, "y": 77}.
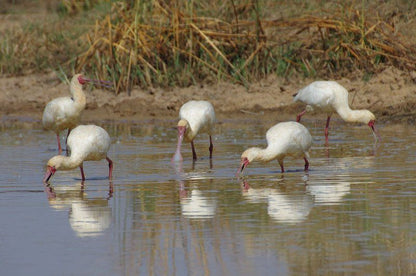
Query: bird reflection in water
{"x": 282, "y": 206}
{"x": 88, "y": 216}
{"x": 194, "y": 204}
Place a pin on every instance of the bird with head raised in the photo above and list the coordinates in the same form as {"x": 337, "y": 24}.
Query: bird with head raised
{"x": 195, "y": 117}
{"x": 329, "y": 97}
{"x": 283, "y": 139}
{"x": 86, "y": 143}
{"x": 65, "y": 112}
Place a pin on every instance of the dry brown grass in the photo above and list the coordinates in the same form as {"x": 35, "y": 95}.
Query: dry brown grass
{"x": 166, "y": 43}
{"x": 162, "y": 45}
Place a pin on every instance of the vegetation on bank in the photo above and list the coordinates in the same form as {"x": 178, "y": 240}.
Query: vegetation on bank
{"x": 168, "y": 43}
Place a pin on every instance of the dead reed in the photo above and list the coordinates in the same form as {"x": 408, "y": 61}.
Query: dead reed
{"x": 159, "y": 44}
{"x": 167, "y": 43}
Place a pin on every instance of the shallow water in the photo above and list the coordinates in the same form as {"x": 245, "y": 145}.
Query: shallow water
{"x": 353, "y": 213}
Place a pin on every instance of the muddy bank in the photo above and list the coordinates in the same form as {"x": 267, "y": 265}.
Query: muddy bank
{"x": 391, "y": 95}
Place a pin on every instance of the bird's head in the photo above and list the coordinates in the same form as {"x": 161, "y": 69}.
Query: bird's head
{"x": 247, "y": 157}
{"x": 371, "y": 124}
{"x": 54, "y": 164}
{"x": 368, "y": 118}
{"x": 183, "y": 125}
{"x": 80, "y": 79}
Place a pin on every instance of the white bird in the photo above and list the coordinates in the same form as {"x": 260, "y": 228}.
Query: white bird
{"x": 283, "y": 139}
{"x": 195, "y": 117}
{"x": 86, "y": 143}
{"x": 330, "y": 97}
{"x": 65, "y": 112}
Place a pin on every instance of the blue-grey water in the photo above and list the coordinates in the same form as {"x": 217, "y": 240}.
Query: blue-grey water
{"x": 354, "y": 212}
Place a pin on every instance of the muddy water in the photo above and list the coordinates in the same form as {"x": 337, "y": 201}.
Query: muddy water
{"x": 353, "y": 213}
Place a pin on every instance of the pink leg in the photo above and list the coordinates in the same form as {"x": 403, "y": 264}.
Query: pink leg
{"x": 66, "y": 141}
{"x": 326, "y": 129}
{"x": 306, "y": 164}
{"x": 110, "y": 168}
{"x": 193, "y": 151}
{"x": 211, "y": 146}
{"x": 281, "y": 165}
{"x": 59, "y": 143}
{"x": 81, "y": 167}
{"x": 300, "y": 115}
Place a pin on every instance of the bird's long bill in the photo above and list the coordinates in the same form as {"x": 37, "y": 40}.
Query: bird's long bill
{"x": 177, "y": 157}
{"x": 375, "y": 132}
{"x": 104, "y": 83}
{"x": 243, "y": 164}
{"x": 48, "y": 174}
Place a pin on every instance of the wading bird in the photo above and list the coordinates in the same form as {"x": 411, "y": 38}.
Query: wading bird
{"x": 329, "y": 97}
{"x": 283, "y": 139}
{"x": 65, "y": 112}
{"x": 195, "y": 117}
{"x": 86, "y": 143}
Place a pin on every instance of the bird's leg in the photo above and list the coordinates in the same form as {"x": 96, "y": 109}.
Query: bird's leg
{"x": 326, "y": 129}
{"x": 66, "y": 141}
{"x": 211, "y": 147}
{"x": 193, "y": 151}
{"x": 281, "y": 165}
{"x": 110, "y": 189}
{"x": 306, "y": 164}
{"x": 59, "y": 143}
{"x": 110, "y": 168}
{"x": 300, "y": 116}
{"x": 81, "y": 167}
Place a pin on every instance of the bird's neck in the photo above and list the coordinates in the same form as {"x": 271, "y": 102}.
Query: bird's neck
{"x": 349, "y": 115}
{"x": 79, "y": 96}
{"x": 266, "y": 155}
{"x": 70, "y": 162}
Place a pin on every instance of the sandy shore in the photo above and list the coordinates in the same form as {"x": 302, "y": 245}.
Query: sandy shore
{"x": 391, "y": 95}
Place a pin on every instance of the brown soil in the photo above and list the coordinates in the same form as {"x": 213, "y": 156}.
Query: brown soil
{"x": 391, "y": 95}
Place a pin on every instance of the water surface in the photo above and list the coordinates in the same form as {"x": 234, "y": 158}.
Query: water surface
{"x": 354, "y": 212}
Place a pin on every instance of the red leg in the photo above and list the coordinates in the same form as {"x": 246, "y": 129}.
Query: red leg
{"x": 81, "y": 167}
{"x": 66, "y": 141}
{"x": 300, "y": 115}
{"x": 59, "y": 143}
{"x": 110, "y": 168}
{"x": 211, "y": 146}
{"x": 306, "y": 164}
{"x": 281, "y": 165}
{"x": 326, "y": 129}
{"x": 193, "y": 151}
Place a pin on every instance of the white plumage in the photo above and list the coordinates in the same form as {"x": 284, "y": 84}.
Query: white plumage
{"x": 283, "y": 139}
{"x": 329, "y": 97}
{"x": 65, "y": 112}
{"x": 86, "y": 143}
{"x": 195, "y": 117}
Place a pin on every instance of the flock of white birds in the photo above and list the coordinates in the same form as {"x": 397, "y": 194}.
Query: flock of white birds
{"x": 91, "y": 142}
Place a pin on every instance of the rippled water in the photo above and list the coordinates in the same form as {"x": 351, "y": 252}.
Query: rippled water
{"x": 353, "y": 213}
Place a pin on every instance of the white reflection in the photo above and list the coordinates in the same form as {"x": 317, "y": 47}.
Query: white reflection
{"x": 282, "y": 207}
{"x": 88, "y": 219}
{"x": 329, "y": 193}
{"x": 198, "y": 206}
{"x": 334, "y": 185}
{"x": 289, "y": 208}
{"x": 87, "y": 216}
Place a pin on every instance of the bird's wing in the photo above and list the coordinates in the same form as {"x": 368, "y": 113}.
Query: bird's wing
{"x": 199, "y": 114}
{"x": 317, "y": 94}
